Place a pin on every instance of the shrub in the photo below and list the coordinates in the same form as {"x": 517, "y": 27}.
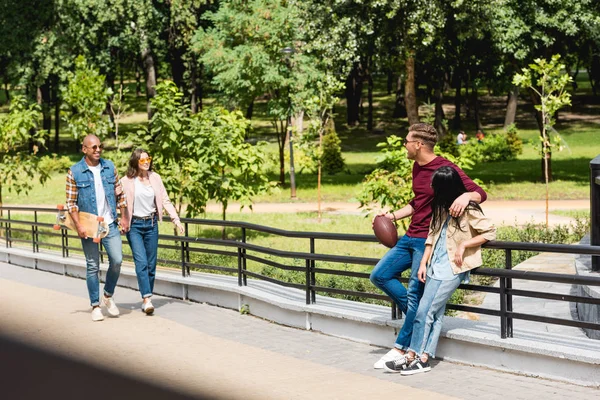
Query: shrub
{"x": 447, "y": 144}
{"x": 332, "y": 161}
{"x": 496, "y": 147}
{"x": 55, "y": 163}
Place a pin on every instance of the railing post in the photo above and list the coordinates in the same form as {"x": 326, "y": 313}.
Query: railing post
{"x": 244, "y": 265}
{"x": 313, "y": 278}
{"x": 595, "y": 209}
{"x": 62, "y": 242}
{"x": 183, "y": 263}
{"x": 8, "y": 242}
{"x": 307, "y": 280}
{"x": 37, "y": 237}
{"x": 509, "y": 298}
{"x": 503, "y": 308}
{"x": 239, "y": 266}
{"x": 187, "y": 250}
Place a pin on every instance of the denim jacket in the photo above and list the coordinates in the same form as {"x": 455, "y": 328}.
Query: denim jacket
{"x": 81, "y": 193}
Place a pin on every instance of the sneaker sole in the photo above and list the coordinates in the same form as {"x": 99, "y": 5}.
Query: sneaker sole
{"x": 415, "y": 371}
{"x": 393, "y": 371}
{"x": 149, "y": 310}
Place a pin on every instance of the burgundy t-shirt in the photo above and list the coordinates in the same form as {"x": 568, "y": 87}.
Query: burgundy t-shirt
{"x": 421, "y": 203}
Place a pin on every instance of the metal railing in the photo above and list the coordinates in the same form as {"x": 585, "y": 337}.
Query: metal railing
{"x": 595, "y": 208}
{"x": 242, "y": 251}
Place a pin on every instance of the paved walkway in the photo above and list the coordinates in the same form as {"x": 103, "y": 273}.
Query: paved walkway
{"x": 544, "y": 262}
{"x": 207, "y": 350}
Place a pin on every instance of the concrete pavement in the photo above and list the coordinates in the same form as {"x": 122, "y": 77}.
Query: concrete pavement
{"x": 205, "y": 350}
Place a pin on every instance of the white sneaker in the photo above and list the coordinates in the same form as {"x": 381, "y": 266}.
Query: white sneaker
{"x": 110, "y": 305}
{"x": 97, "y": 314}
{"x": 147, "y": 307}
{"x": 391, "y": 355}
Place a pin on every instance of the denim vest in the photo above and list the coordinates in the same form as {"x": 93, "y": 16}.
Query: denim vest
{"x": 86, "y": 192}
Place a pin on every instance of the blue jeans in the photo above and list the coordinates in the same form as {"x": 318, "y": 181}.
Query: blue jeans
{"x": 143, "y": 240}
{"x": 406, "y": 254}
{"x": 114, "y": 248}
{"x": 430, "y": 315}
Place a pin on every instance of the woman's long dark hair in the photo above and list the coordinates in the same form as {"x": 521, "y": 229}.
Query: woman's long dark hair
{"x": 133, "y": 169}
{"x": 447, "y": 187}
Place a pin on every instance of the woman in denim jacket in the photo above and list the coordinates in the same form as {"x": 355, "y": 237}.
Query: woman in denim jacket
{"x": 146, "y": 198}
{"x": 452, "y": 249}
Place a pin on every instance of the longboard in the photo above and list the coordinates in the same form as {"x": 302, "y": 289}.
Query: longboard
{"x": 95, "y": 226}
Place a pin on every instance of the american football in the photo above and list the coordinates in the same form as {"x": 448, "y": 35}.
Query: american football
{"x": 385, "y": 231}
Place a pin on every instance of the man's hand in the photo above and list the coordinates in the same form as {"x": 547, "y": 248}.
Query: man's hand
{"x": 81, "y": 232}
{"x": 124, "y": 225}
{"x": 422, "y": 274}
{"x": 459, "y": 205}
{"x": 458, "y": 255}
{"x": 390, "y": 216}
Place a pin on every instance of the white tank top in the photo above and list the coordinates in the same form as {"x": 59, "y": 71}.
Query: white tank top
{"x": 143, "y": 204}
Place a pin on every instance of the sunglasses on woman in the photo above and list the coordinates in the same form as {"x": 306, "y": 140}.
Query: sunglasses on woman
{"x": 145, "y": 160}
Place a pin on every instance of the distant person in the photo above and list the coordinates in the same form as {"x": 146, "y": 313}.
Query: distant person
{"x": 461, "y": 138}
{"x": 93, "y": 186}
{"x": 407, "y": 253}
{"x": 452, "y": 249}
{"x": 479, "y": 136}
{"x": 146, "y": 197}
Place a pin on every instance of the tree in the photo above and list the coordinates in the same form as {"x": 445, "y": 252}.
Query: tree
{"x": 203, "y": 156}
{"x": 18, "y": 166}
{"x": 548, "y": 80}
{"x": 84, "y": 101}
{"x": 243, "y": 51}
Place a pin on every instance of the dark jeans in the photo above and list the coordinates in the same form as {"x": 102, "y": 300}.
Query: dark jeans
{"x": 143, "y": 240}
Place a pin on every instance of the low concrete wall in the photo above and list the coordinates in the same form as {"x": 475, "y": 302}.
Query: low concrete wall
{"x": 588, "y": 312}
{"x": 471, "y": 342}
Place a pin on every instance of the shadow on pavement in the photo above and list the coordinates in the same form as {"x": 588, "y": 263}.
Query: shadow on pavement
{"x": 31, "y": 373}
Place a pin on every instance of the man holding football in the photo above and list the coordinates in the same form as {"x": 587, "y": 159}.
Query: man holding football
{"x": 408, "y": 251}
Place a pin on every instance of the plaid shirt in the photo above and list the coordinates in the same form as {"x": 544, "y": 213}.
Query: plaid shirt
{"x": 72, "y": 193}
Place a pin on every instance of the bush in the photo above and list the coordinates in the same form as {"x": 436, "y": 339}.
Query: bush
{"x": 497, "y": 147}
{"x": 55, "y": 164}
{"x": 447, "y": 144}
{"x": 332, "y": 161}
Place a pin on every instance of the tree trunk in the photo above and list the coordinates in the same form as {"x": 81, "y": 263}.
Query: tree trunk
{"x": 390, "y": 81}
{"x": 138, "y": 78}
{"x": 467, "y": 103}
{"x": 439, "y": 110}
{"x": 370, "y": 97}
{"x": 353, "y": 95}
{"x": 410, "y": 95}
{"x": 511, "y": 106}
{"x": 400, "y": 105}
{"x": 56, "y": 120}
{"x": 250, "y": 110}
{"x": 456, "y": 122}
{"x": 281, "y": 145}
{"x": 150, "y": 80}
{"x": 7, "y": 93}
{"x": 196, "y": 88}
{"x": 540, "y": 121}
{"x": 475, "y": 97}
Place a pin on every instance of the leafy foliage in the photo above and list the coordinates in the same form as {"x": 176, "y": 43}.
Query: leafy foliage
{"x": 18, "y": 165}
{"x": 332, "y": 159}
{"x": 498, "y": 147}
{"x": 85, "y": 98}
{"x": 203, "y": 156}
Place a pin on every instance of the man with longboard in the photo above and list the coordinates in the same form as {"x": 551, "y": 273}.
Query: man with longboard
{"x": 93, "y": 187}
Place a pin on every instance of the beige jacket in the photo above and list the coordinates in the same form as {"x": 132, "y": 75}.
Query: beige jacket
{"x": 161, "y": 198}
{"x": 472, "y": 223}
